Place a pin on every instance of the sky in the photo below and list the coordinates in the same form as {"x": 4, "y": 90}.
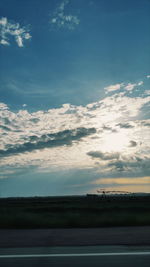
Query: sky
{"x": 74, "y": 96}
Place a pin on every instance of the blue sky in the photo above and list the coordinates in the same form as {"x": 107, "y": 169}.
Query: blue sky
{"x": 71, "y": 72}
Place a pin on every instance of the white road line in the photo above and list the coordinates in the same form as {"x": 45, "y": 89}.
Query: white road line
{"x": 74, "y": 255}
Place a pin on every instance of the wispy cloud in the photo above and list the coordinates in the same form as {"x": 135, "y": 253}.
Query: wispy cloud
{"x": 118, "y": 86}
{"x": 61, "y": 19}
{"x": 131, "y": 86}
{"x": 8, "y": 29}
{"x": 114, "y": 87}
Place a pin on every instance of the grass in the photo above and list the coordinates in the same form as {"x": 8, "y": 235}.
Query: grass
{"x": 76, "y": 211}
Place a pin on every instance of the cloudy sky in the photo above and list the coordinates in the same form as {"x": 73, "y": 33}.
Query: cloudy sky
{"x": 74, "y": 96}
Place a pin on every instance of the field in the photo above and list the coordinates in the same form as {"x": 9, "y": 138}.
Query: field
{"x": 74, "y": 211}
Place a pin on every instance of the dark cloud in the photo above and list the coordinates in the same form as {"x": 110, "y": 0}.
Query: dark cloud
{"x": 103, "y": 156}
{"x": 6, "y": 120}
{"x": 137, "y": 165}
{"x": 5, "y": 128}
{"x": 145, "y": 123}
{"x": 108, "y": 128}
{"x": 120, "y": 163}
{"x": 35, "y": 120}
{"x": 133, "y": 143}
{"x": 125, "y": 125}
{"x": 62, "y": 138}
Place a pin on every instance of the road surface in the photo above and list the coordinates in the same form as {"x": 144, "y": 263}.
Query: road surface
{"x": 139, "y": 235}
{"x": 96, "y": 256}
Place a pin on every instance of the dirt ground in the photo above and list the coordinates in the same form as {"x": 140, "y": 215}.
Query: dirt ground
{"x": 75, "y": 237}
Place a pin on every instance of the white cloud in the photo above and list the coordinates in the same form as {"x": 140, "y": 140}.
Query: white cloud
{"x": 148, "y": 76}
{"x": 19, "y": 41}
{"x": 147, "y": 92}
{"x": 8, "y": 29}
{"x": 3, "y": 107}
{"x": 118, "y": 86}
{"x": 3, "y": 21}
{"x": 131, "y": 86}
{"x": 140, "y": 83}
{"x": 4, "y": 42}
{"x": 27, "y": 36}
{"x": 62, "y": 20}
{"x": 114, "y": 87}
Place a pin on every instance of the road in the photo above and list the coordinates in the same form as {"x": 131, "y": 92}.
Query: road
{"x": 95, "y": 256}
{"x": 139, "y": 235}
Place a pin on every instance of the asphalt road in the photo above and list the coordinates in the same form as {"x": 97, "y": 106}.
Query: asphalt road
{"x": 115, "y": 256}
{"x": 139, "y": 235}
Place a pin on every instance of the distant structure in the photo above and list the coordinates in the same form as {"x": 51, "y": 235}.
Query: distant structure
{"x": 104, "y": 192}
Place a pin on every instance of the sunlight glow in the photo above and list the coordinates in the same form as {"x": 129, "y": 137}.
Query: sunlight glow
{"x": 115, "y": 142}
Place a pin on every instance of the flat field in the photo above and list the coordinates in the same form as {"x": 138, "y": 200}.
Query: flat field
{"x": 74, "y": 211}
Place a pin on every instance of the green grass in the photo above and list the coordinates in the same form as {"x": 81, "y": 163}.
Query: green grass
{"x": 61, "y": 212}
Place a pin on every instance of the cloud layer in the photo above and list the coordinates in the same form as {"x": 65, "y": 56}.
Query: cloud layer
{"x": 110, "y": 136}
